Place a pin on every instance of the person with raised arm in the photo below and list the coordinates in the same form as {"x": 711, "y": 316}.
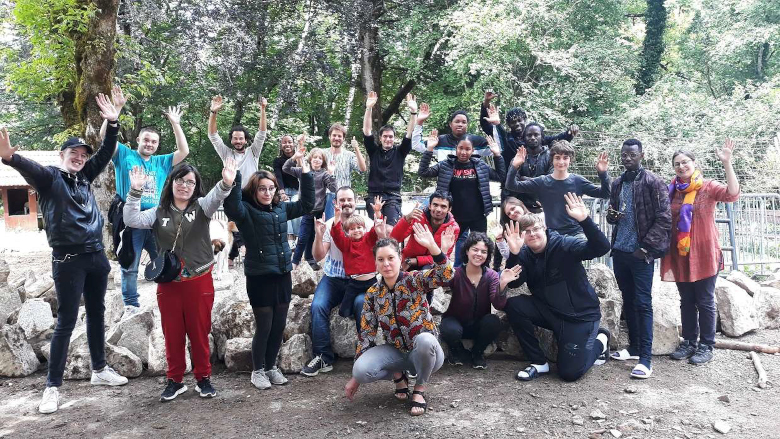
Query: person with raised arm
{"x": 341, "y": 162}
{"x": 447, "y": 144}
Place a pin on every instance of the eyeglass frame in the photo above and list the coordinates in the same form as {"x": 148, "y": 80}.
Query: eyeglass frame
{"x": 187, "y": 183}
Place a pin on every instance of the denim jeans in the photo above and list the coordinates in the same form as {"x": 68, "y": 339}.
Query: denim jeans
{"x": 330, "y": 198}
{"x": 74, "y": 275}
{"x": 635, "y": 279}
{"x": 327, "y": 296}
{"x": 698, "y": 310}
{"x": 305, "y": 240}
{"x": 466, "y": 228}
{"x": 143, "y": 239}
{"x": 382, "y": 362}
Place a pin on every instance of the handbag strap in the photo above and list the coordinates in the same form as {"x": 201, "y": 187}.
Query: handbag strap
{"x": 173, "y": 248}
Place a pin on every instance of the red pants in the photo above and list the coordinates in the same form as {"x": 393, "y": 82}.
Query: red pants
{"x": 185, "y": 311}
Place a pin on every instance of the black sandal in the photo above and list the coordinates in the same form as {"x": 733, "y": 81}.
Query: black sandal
{"x": 531, "y": 372}
{"x": 415, "y": 404}
{"x": 402, "y": 391}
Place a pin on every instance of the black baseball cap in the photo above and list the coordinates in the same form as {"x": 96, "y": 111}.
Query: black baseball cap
{"x": 74, "y": 142}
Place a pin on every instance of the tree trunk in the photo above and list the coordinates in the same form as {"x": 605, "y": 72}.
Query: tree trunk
{"x": 761, "y": 58}
{"x": 239, "y": 113}
{"x": 653, "y": 46}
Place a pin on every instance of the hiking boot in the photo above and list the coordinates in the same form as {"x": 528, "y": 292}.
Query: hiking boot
{"x": 458, "y": 355}
{"x": 685, "y": 350}
{"x": 478, "y": 360}
{"x": 315, "y": 366}
{"x": 107, "y": 377}
{"x": 275, "y": 376}
{"x": 260, "y": 379}
{"x": 205, "y": 389}
{"x": 702, "y": 355}
{"x": 50, "y": 401}
{"x": 172, "y": 390}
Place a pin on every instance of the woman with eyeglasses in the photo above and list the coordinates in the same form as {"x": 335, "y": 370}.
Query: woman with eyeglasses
{"x": 181, "y": 224}
{"x": 695, "y": 258}
{"x": 262, "y": 217}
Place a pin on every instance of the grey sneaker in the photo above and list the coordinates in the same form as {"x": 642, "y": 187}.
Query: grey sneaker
{"x": 260, "y": 380}
{"x": 275, "y": 376}
{"x": 50, "y": 401}
{"x": 703, "y": 354}
{"x": 685, "y": 350}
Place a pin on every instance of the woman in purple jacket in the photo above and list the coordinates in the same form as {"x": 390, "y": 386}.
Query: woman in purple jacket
{"x": 474, "y": 288}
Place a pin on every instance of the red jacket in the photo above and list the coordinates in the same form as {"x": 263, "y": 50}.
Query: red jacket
{"x": 403, "y": 229}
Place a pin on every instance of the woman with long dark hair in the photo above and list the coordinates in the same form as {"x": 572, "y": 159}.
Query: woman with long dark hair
{"x": 181, "y": 224}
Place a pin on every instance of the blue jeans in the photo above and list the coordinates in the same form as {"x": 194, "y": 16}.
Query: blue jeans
{"x": 329, "y": 200}
{"x": 466, "y": 228}
{"x": 305, "y": 240}
{"x": 327, "y": 296}
{"x": 143, "y": 239}
{"x": 635, "y": 279}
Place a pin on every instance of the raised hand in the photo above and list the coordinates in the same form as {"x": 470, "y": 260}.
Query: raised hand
{"x": 6, "y": 150}
{"x": 174, "y": 115}
{"x": 377, "y": 205}
{"x": 490, "y": 95}
{"x": 602, "y": 163}
{"x": 416, "y": 214}
{"x": 411, "y": 103}
{"x": 107, "y": 109}
{"x": 229, "y": 168}
{"x": 380, "y": 227}
{"x": 423, "y": 236}
{"x": 447, "y": 239}
{"x": 514, "y": 237}
{"x": 336, "y": 211}
{"x": 725, "y": 154}
{"x": 283, "y": 196}
{"x": 493, "y": 146}
{"x": 118, "y": 98}
{"x": 575, "y": 207}
{"x": 493, "y": 116}
{"x": 354, "y": 143}
{"x": 301, "y": 150}
{"x": 520, "y": 156}
{"x": 510, "y": 274}
{"x": 574, "y": 130}
{"x": 320, "y": 226}
{"x": 216, "y": 103}
{"x": 138, "y": 178}
{"x": 263, "y": 102}
{"x": 305, "y": 165}
{"x": 433, "y": 139}
{"x": 424, "y": 113}
{"x": 371, "y": 99}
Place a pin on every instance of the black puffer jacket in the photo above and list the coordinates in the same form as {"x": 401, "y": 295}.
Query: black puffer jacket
{"x": 443, "y": 173}
{"x": 264, "y": 228}
{"x": 72, "y": 217}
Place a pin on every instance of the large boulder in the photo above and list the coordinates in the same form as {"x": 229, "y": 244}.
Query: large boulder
{"x": 133, "y": 332}
{"x": 744, "y": 282}
{"x": 773, "y": 281}
{"x": 298, "y": 317}
{"x": 9, "y": 302}
{"x": 238, "y": 354}
{"x": 225, "y": 298}
{"x": 115, "y": 307}
{"x": 767, "y": 303}
{"x": 235, "y": 321}
{"x": 735, "y": 308}
{"x": 666, "y": 317}
{"x": 610, "y": 298}
{"x": 17, "y": 358}
{"x": 37, "y": 284}
{"x": 5, "y": 270}
{"x": 441, "y": 300}
{"x": 123, "y": 361}
{"x": 295, "y": 353}
{"x": 78, "y": 365}
{"x": 158, "y": 364}
{"x": 35, "y": 318}
{"x": 304, "y": 280}
{"x": 343, "y": 335}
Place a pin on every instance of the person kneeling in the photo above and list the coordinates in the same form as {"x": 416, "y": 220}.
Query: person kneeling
{"x": 562, "y": 300}
{"x": 396, "y": 305}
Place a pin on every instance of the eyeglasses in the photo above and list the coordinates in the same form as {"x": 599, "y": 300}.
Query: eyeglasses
{"x": 632, "y": 155}
{"x": 682, "y": 163}
{"x": 535, "y": 230}
{"x": 182, "y": 182}
{"x": 266, "y": 190}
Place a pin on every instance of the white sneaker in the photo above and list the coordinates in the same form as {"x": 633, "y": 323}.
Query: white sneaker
{"x": 107, "y": 377}
{"x": 51, "y": 400}
{"x": 275, "y": 376}
{"x": 260, "y": 380}
{"x": 130, "y": 310}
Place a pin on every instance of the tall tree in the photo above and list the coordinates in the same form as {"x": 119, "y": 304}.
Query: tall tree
{"x": 653, "y": 46}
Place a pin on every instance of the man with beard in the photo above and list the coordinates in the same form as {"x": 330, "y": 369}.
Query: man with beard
{"x": 341, "y": 162}
{"x": 437, "y": 218}
{"x": 331, "y": 290}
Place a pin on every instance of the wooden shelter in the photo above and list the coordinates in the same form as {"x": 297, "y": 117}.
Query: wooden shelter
{"x": 20, "y": 201}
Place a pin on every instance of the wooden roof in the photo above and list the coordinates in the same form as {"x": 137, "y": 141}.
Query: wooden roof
{"x": 11, "y": 177}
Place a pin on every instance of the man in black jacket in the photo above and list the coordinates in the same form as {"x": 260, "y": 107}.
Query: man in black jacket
{"x": 639, "y": 210}
{"x": 74, "y": 229}
{"x": 562, "y": 300}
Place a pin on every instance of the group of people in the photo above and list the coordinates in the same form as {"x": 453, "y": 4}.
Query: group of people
{"x": 382, "y": 269}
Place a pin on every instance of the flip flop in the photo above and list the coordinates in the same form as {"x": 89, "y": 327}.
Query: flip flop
{"x": 623, "y": 355}
{"x": 641, "y": 371}
{"x": 532, "y": 373}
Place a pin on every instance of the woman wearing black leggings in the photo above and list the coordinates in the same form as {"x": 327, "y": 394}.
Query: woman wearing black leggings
{"x": 262, "y": 220}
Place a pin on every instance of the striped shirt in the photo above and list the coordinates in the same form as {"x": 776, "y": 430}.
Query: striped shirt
{"x": 346, "y": 162}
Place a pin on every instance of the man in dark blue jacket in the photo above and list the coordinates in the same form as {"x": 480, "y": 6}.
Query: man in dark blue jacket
{"x": 74, "y": 229}
{"x": 562, "y": 300}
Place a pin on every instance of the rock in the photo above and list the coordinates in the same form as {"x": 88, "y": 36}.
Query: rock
{"x": 77, "y": 365}
{"x": 610, "y": 299}
{"x": 630, "y": 425}
{"x": 773, "y": 281}
{"x": 744, "y": 282}
{"x": 50, "y": 297}
{"x": 9, "y": 302}
{"x": 158, "y": 364}
{"x": 115, "y": 307}
{"x": 5, "y": 270}
{"x": 724, "y": 398}
{"x": 225, "y": 283}
{"x": 735, "y": 308}
{"x": 304, "y": 280}
{"x": 295, "y": 353}
{"x": 37, "y": 284}
{"x": 615, "y": 433}
{"x": 213, "y": 357}
{"x": 13, "y": 317}
{"x": 630, "y": 389}
{"x": 17, "y": 358}
{"x": 238, "y": 354}
{"x": 767, "y": 303}
{"x": 441, "y": 301}
{"x": 35, "y": 318}
{"x": 343, "y": 335}
{"x": 597, "y": 414}
{"x": 506, "y": 340}
{"x": 235, "y": 321}
{"x": 721, "y": 427}
{"x": 224, "y": 298}
{"x": 548, "y": 343}
{"x": 577, "y": 420}
{"x": 666, "y": 317}
{"x": 123, "y": 361}
{"x": 133, "y": 332}
{"x": 298, "y": 317}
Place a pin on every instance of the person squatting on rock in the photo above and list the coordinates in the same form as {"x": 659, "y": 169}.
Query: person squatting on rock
{"x": 79, "y": 265}
{"x": 156, "y": 168}
{"x": 396, "y": 306}
{"x": 331, "y": 290}
{"x": 639, "y": 211}
{"x": 323, "y": 181}
{"x": 694, "y": 258}
{"x": 386, "y": 161}
{"x": 180, "y": 224}
{"x": 562, "y": 299}
{"x": 474, "y": 288}
{"x": 262, "y": 220}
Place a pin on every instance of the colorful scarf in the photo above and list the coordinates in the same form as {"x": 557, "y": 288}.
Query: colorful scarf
{"x": 686, "y": 211}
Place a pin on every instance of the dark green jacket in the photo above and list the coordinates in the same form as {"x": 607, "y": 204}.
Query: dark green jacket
{"x": 264, "y": 228}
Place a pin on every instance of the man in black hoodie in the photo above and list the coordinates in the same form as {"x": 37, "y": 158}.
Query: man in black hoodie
{"x": 562, "y": 300}
{"x": 74, "y": 229}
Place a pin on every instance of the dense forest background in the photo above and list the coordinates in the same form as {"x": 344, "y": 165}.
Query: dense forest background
{"x": 675, "y": 73}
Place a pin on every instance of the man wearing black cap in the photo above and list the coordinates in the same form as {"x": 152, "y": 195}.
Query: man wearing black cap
{"x": 74, "y": 229}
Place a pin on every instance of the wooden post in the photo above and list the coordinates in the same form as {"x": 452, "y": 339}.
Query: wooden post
{"x": 759, "y": 369}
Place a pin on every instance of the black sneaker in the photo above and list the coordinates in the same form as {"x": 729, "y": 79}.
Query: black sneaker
{"x": 685, "y": 350}
{"x": 315, "y": 366}
{"x": 205, "y": 389}
{"x": 172, "y": 390}
{"x": 702, "y": 355}
{"x": 458, "y": 355}
{"x": 478, "y": 360}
